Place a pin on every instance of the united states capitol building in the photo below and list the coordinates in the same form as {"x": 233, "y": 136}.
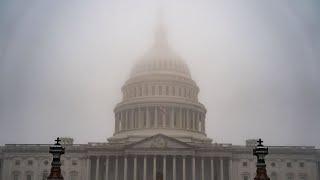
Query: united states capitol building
{"x": 159, "y": 134}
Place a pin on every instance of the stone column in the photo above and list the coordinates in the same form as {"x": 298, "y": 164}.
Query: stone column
{"x": 132, "y": 120}
{"x": 116, "y": 127}
{"x": 172, "y": 117}
{"x": 155, "y": 168}
{"x": 124, "y": 119}
{"x": 145, "y": 168}
{"x": 135, "y": 168}
{"x": 107, "y": 168}
{"x": 147, "y": 118}
{"x": 120, "y": 122}
{"x": 164, "y": 168}
{"x": 221, "y": 169}
{"x": 121, "y": 119}
{"x": 139, "y": 118}
{"x": 193, "y": 120}
{"x": 183, "y": 168}
{"x": 180, "y": 117}
{"x": 88, "y": 168}
{"x": 193, "y": 168}
{"x": 230, "y": 169}
{"x": 203, "y": 124}
{"x": 164, "y": 117}
{"x": 187, "y": 119}
{"x": 116, "y": 169}
{"x": 125, "y": 175}
{"x": 202, "y": 168}
{"x": 174, "y": 170}
{"x": 212, "y": 169}
{"x": 155, "y": 116}
{"x": 97, "y": 168}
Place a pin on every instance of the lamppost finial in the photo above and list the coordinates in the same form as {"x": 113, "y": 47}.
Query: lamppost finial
{"x": 56, "y": 150}
{"x": 261, "y": 151}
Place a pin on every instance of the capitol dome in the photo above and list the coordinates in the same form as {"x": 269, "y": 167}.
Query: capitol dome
{"x": 160, "y": 97}
{"x": 161, "y": 60}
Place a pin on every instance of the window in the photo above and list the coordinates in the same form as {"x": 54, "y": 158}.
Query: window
{"x": 45, "y": 162}
{"x": 245, "y": 176}
{"x": 29, "y": 177}
{"x": 74, "y": 175}
{"x": 289, "y": 164}
{"x": 290, "y": 176}
{"x": 74, "y": 163}
{"x": 16, "y": 177}
{"x": 167, "y": 90}
{"x": 273, "y": 176}
{"x": 301, "y": 164}
{"x": 303, "y": 177}
{"x": 160, "y": 90}
{"x": 30, "y": 162}
{"x": 244, "y": 164}
{"x": 17, "y": 162}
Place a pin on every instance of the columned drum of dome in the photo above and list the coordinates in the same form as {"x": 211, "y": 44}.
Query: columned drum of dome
{"x": 160, "y": 97}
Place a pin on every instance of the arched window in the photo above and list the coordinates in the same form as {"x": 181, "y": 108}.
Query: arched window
{"x": 74, "y": 175}
{"x": 16, "y": 175}
{"x": 29, "y": 175}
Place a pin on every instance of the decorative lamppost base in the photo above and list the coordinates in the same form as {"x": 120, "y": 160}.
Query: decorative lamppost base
{"x": 261, "y": 174}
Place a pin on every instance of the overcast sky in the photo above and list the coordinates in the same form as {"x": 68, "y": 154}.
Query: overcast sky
{"x": 62, "y": 65}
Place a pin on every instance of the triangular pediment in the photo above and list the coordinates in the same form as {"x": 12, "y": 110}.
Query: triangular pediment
{"x": 159, "y": 141}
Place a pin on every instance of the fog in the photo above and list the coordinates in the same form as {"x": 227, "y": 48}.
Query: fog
{"x": 62, "y": 65}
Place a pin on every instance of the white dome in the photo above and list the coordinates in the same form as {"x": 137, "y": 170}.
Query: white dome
{"x": 161, "y": 60}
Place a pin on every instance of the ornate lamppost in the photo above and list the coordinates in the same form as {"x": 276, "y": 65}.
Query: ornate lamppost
{"x": 261, "y": 151}
{"x": 56, "y": 150}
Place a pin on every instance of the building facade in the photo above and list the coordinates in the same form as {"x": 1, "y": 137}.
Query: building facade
{"x": 160, "y": 134}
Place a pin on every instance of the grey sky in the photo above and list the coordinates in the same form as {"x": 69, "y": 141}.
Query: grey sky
{"x": 62, "y": 64}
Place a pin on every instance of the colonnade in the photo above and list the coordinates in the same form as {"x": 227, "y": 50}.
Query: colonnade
{"x": 160, "y": 117}
{"x": 168, "y": 90}
{"x": 162, "y": 167}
